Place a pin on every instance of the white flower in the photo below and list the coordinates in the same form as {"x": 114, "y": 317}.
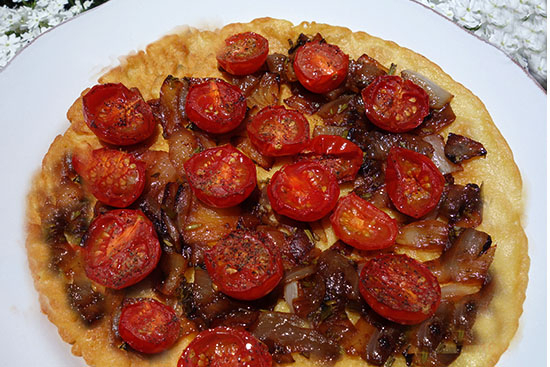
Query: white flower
{"x": 538, "y": 66}
{"x": 10, "y": 43}
{"x": 445, "y": 9}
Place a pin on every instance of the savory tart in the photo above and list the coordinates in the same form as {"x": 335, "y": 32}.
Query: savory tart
{"x": 270, "y": 194}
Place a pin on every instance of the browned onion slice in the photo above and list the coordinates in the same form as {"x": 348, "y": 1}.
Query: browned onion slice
{"x": 429, "y": 234}
{"x": 444, "y": 165}
{"x": 456, "y": 290}
{"x": 438, "y": 96}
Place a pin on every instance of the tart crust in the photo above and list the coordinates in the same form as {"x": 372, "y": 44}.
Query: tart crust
{"x": 191, "y": 52}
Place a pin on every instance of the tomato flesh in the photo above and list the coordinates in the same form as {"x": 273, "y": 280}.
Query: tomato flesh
{"x": 215, "y": 106}
{"x": 244, "y": 266}
{"x": 339, "y": 155}
{"x": 148, "y": 326}
{"x": 115, "y": 178}
{"x": 225, "y": 347}
{"x": 395, "y": 104}
{"x": 413, "y": 182}
{"x": 276, "y": 131}
{"x": 362, "y": 225}
{"x": 222, "y": 176}
{"x": 320, "y": 67}
{"x": 400, "y": 288}
{"x": 118, "y": 115}
{"x": 120, "y": 248}
{"x": 304, "y": 191}
{"x": 244, "y": 53}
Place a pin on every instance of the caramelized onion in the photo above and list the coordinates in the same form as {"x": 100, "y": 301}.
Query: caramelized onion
{"x": 460, "y": 148}
{"x": 467, "y": 261}
{"x": 429, "y": 234}
{"x": 286, "y": 333}
{"x": 438, "y": 96}
{"x": 456, "y": 290}
{"x": 266, "y": 92}
{"x": 299, "y": 272}
{"x": 444, "y": 165}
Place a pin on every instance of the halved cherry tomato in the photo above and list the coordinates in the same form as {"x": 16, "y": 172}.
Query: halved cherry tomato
{"x": 120, "y": 248}
{"x": 362, "y": 225}
{"x": 276, "y": 131}
{"x": 115, "y": 178}
{"x": 395, "y": 104}
{"x": 339, "y": 155}
{"x": 147, "y": 325}
{"x": 225, "y": 347}
{"x": 400, "y": 288}
{"x": 244, "y": 53}
{"x": 413, "y": 182}
{"x": 304, "y": 191}
{"x": 222, "y": 176}
{"x": 244, "y": 266}
{"x": 320, "y": 67}
{"x": 215, "y": 106}
{"x": 118, "y": 115}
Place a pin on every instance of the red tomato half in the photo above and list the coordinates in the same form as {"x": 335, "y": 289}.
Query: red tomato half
{"x": 215, "y": 106}
{"x": 244, "y": 53}
{"x": 362, "y": 225}
{"x": 320, "y": 67}
{"x": 339, "y": 155}
{"x": 400, "y": 288}
{"x": 304, "y": 191}
{"x": 244, "y": 266}
{"x": 148, "y": 326}
{"x": 413, "y": 182}
{"x": 221, "y": 176}
{"x": 120, "y": 248}
{"x": 115, "y": 178}
{"x": 276, "y": 131}
{"x": 118, "y": 115}
{"x": 225, "y": 347}
{"x": 395, "y": 104}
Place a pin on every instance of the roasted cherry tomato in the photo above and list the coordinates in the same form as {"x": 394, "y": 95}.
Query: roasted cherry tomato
{"x": 215, "y": 106}
{"x": 340, "y": 156}
{"x": 221, "y": 176}
{"x": 118, "y": 115}
{"x": 400, "y": 288}
{"x": 244, "y": 265}
{"x": 320, "y": 67}
{"x": 225, "y": 347}
{"x": 244, "y": 53}
{"x": 362, "y": 225}
{"x": 395, "y": 104}
{"x": 304, "y": 191}
{"x": 413, "y": 182}
{"x": 115, "y": 178}
{"x": 120, "y": 248}
{"x": 148, "y": 326}
{"x": 276, "y": 131}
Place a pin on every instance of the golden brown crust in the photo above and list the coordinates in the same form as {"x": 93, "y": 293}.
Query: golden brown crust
{"x": 192, "y": 53}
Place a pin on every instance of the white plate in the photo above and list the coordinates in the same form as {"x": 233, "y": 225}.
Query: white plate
{"x": 37, "y": 88}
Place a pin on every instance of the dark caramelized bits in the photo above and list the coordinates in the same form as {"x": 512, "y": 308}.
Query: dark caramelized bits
{"x": 462, "y": 205}
{"x": 436, "y": 121}
{"x": 460, "y": 148}
{"x": 362, "y": 72}
{"x": 89, "y": 304}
